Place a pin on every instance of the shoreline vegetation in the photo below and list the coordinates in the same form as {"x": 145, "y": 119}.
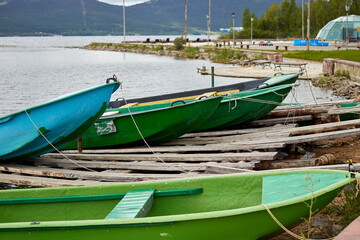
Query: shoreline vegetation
{"x": 220, "y": 55}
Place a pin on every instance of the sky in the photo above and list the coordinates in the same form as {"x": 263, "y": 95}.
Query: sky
{"x": 120, "y": 2}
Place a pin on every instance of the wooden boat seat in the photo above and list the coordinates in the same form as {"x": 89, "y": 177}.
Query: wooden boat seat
{"x": 129, "y": 105}
{"x": 137, "y": 203}
{"x": 207, "y": 94}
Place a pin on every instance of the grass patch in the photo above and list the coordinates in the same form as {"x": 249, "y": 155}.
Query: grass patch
{"x": 351, "y": 55}
{"x": 190, "y": 52}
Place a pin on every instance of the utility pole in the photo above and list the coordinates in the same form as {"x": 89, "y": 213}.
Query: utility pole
{"x": 185, "y": 21}
{"x": 209, "y": 19}
{"x": 124, "y": 19}
{"x": 308, "y": 28}
{"x": 233, "y": 28}
{"x": 302, "y": 19}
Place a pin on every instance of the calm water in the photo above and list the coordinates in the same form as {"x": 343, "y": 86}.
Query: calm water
{"x": 34, "y": 70}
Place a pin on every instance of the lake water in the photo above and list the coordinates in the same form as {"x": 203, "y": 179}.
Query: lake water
{"x": 34, "y": 70}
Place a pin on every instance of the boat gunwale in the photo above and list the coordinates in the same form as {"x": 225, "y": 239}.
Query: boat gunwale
{"x": 169, "y": 219}
{"x": 191, "y": 102}
{"x": 58, "y": 99}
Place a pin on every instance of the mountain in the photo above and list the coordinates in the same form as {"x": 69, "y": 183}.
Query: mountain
{"x": 91, "y": 17}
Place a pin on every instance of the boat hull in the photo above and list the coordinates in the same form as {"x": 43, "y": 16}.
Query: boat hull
{"x": 215, "y": 213}
{"x": 156, "y": 126}
{"x": 245, "y": 107}
{"x": 60, "y": 121}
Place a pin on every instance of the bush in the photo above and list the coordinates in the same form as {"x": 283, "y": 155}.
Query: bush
{"x": 179, "y": 43}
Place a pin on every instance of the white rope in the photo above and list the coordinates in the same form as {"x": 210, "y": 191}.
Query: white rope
{"x": 147, "y": 144}
{"x": 54, "y": 146}
{"x": 285, "y": 229}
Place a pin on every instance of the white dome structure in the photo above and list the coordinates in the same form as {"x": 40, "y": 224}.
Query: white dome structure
{"x": 335, "y": 30}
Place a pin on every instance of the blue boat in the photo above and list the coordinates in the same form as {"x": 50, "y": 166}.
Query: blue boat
{"x": 34, "y": 131}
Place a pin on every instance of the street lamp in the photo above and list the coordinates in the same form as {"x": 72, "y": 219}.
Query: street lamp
{"x": 233, "y": 27}
{"x": 252, "y": 19}
{"x": 347, "y": 9}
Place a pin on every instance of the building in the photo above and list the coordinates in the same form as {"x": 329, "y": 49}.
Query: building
{"x": 335, "y": 30}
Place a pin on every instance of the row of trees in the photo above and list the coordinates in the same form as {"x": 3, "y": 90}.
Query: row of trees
{"x": 286, "y": 20}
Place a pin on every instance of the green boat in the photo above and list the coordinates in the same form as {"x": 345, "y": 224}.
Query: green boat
{"x": 157, "y": 123}
{"x": 245, "y": 107}
{"x": 214, "y": 91}
{"x": 204, "y": 208}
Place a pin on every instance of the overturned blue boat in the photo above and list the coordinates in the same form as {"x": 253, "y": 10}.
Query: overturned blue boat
{"x": 37, "y": 130}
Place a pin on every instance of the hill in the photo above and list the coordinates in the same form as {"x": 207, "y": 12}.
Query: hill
{"x": 90, "y": 17}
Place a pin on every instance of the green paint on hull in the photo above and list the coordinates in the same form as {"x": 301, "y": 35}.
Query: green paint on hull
{"x": 229, "y": 207}
{"x": 157, "y": 123}
{"x": 245, "y": 107}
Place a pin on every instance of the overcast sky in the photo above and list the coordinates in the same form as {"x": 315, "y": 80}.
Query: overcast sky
{"x": 120, "y": 2}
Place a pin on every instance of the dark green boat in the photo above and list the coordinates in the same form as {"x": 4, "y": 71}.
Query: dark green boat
{"x": 244, "y": 107}
{"x": 205, "y": 208}
{"x": 276, "y": 80}
{"x": 157, "y": 123}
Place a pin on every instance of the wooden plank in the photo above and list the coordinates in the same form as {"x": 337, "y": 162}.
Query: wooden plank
{"x": 43, "y": 181}
{"x": 225, "y": 170}
{"x": 311, "y": 137}
{"x": 296, "y": 112}
{"x": 314, "y": 105}
{"x": 86, "y": 175}
{"x": 290, "y": 119}
{"x": 226, "y": 139}
{"x": 215, "y": 157}
{"x": 166, "y": 149}
{"x": 139, "y": 166}
{"x": 237, "y": 132}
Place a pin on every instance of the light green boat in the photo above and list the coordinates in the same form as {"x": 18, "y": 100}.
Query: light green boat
{"x": 205, "y": 208}
{"x": 157, "y": 123}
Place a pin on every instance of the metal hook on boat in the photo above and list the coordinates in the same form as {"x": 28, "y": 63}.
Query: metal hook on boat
{"x": 114, "y": 78}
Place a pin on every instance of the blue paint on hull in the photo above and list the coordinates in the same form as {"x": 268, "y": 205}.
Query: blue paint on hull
{"x": 61, "y": 121}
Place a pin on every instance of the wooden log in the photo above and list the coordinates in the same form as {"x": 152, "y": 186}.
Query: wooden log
{"x": 166, "y": 149}
{"x": 338, "y": 111}
{"x": 294, "y": 163}
{"x": 216, "y": 157}
{"x": 86, "y": 175}
{"x": 326, "y": 127}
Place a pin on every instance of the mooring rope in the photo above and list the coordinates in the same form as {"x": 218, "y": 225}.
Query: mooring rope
{"x": 285, "y": 229}
{"x": 141, "y": 135}
{"x": 77, "y": 164}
